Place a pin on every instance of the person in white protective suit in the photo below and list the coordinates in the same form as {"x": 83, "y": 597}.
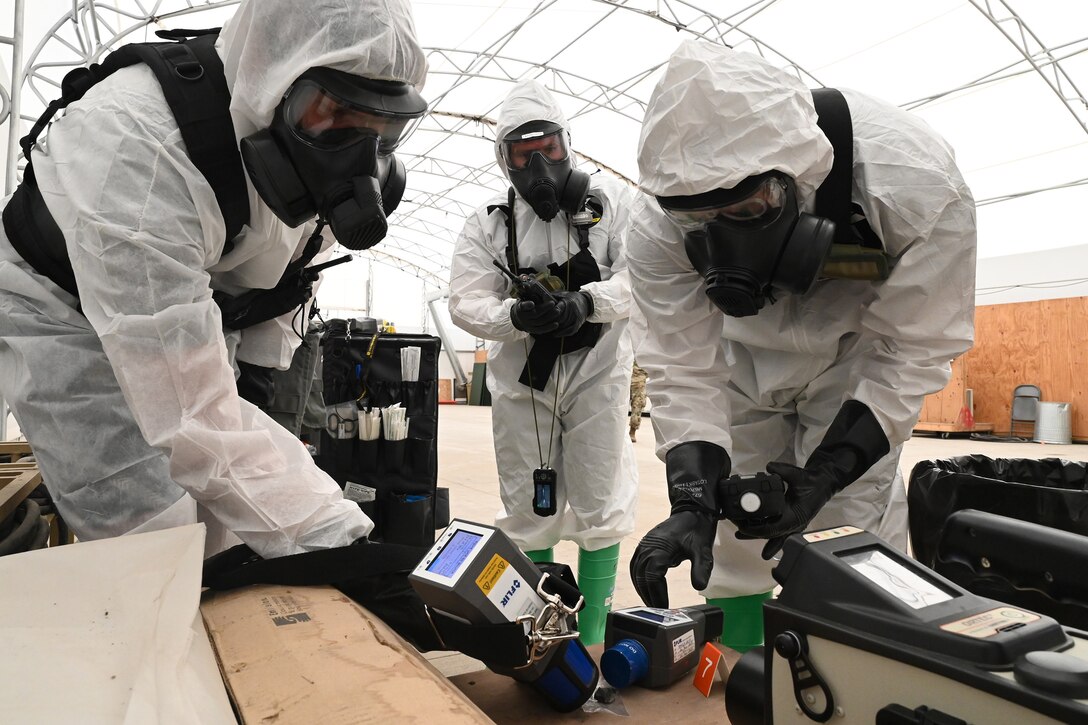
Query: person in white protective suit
{"x": 127, "y": 393}
{"x": 559, "y": 370}
{"x": 777, "y": 342}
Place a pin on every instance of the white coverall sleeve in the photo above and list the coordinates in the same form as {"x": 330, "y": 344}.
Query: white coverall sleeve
{"x": 140, "y": 244}
{"x": 479, "y": 293}
{"x": 923, "y": 314}
{"x": 677, "y": 335}
{"x": 612, "y": 296}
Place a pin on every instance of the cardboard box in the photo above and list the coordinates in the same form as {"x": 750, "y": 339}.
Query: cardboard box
{"x": 445, "y": 390}
{"x": 310, "y": 655}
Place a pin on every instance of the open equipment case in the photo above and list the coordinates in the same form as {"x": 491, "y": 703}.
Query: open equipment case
{"x": 394, "y": 481}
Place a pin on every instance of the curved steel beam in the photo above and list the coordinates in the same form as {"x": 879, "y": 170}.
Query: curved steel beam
{"x": 1050, "y": 70}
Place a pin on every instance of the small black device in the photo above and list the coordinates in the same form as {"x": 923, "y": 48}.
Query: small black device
{"x": 655, "y": 647}
{"x": 544, "y": 484}
{"x": 526, "y": 286}
{"x": 752, "y": 499}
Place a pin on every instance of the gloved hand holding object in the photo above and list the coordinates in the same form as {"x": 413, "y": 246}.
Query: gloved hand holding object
{"x": 853, "y": 443}
{"x": 536, "y": 318}
{"x": 751, "y": 500}
{"x": 693, "y": 470}
{"x": 535, "y": 311}
{"x": 574, "y": 308}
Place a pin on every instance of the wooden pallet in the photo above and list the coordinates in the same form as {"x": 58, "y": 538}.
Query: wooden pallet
{"x": 15, "y": 450}
{"x": 17, "y": 480}
{"x": 947, "y": 430}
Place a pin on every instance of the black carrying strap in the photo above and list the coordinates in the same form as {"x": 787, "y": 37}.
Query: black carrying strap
{"x": 511, "y": 233}
{"x": 833, "y": 198}
{"x": 239, "y": 566}
{"x": 294, "y": 289}
{"x": 34, "y": 234}
{"x": 506, "y": 644}
{"x": 194, "y": 85}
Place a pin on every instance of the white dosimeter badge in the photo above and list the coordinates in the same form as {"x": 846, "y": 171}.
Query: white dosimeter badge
{"x": 489, "y": 601}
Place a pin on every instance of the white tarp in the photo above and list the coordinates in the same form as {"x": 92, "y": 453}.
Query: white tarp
{"x": 109, "y": 632}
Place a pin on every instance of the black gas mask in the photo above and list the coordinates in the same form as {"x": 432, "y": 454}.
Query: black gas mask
{"x": 538, "y": 160}
{"x": 751, "y": 240}
{"x": 329, "y": 153}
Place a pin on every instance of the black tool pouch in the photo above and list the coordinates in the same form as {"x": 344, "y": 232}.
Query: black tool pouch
{"x": 399, "y": 477}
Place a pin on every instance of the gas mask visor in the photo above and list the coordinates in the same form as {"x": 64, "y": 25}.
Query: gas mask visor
{"x": 329, "y": 153}
{"x": 755, "y": 202}
{"x": 544, "y": 138}
{"x": 750, "y": 239}
{"x": 330, "y": 110}
{"x": 539, "y": 163}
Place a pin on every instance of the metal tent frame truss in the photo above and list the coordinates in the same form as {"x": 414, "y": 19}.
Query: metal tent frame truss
{"x": 450, "y": 154}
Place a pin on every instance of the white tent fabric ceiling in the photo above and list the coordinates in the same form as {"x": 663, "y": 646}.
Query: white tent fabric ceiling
{"x": 1003, "y": 81}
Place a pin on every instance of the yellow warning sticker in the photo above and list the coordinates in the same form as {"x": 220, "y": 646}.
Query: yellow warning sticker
{"x": 491, "y": 574}
{"x": 988, "y": 624}
{"x": 831, "y": 533}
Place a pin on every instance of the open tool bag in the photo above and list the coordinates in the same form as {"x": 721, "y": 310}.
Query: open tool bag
{"x": 392, "y": 475}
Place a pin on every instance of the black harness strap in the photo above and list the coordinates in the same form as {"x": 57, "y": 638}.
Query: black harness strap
{"x": 201, "y": 107}
{"x": 511, "y": 230}
{"x": 581, "y": 269}
{"x": 239, "y": 566}
{"x": 833, "y": 198}
{"x": 194, "y": 85}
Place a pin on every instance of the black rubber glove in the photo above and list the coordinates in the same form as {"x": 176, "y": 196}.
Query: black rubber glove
{"x": 853, "y": 443}
{"x": 693, "y": 470}
{"x": 536, "y": 318}
{"x": 574, "y": 308}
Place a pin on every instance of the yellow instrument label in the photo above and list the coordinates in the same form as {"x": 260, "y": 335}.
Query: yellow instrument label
{"x": 492, "y": 573}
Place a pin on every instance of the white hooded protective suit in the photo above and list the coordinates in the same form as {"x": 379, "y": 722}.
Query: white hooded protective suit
{"x": 766, "y": 387}
{"x": 589, "y": 446}
{"x": 132, "y": 410}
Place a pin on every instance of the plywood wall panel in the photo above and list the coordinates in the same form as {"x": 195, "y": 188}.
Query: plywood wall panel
{"x": 1042, "y": 343}
{"x": 943, "y": 408}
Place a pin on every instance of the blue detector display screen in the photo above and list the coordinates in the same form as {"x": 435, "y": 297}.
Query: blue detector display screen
{"x": 454, "y": 553}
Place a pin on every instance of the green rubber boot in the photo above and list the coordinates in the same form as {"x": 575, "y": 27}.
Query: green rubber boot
{"x": 743, "y": 626}
{"x": 538, "y": 555}
{"x": 597, "y": 580}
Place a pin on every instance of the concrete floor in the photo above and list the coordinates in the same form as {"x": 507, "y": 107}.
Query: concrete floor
{"x": 466, "y": 465}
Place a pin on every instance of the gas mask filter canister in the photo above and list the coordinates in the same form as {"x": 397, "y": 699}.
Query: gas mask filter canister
{"x": 751, "y": 240}
{"x": 329, "y": 153}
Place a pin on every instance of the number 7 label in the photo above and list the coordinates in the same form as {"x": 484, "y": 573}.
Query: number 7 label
{"x": 709, "y": 661}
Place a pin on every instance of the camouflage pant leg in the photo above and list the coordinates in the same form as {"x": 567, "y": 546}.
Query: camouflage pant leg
{"x": 638, "y": 402}
{"x": 638, "y": 396}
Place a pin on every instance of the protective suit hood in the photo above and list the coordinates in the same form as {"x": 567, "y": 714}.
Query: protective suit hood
{"x": 264, "y": 50}
{"x": 527, "y": 101}
{"x": 717, "y": 117}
